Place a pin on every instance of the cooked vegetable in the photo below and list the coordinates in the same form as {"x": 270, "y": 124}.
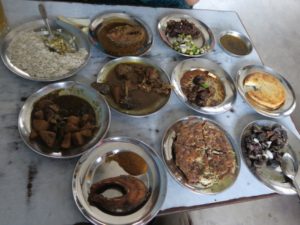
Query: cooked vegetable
{"x": 185, "y": 44}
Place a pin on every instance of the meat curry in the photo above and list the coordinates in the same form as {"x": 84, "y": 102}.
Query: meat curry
{"x": 122, "y": 38}
{"x": 134, "y": 88}
{"x": 62, "y": 122}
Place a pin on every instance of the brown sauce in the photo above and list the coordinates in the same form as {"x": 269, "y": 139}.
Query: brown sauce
{"x": 122, "y": 38}
{"x": 62, "y": 122}
{"x": 135, "y": 88}
{"x": 234, "y": 45}
{"x": 131, "y": 162}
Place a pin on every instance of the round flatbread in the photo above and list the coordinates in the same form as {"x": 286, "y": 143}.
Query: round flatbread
{"x": 266, "y": 90}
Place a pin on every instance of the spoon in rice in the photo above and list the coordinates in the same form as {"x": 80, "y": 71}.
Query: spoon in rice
{"x": 54, "y": 42}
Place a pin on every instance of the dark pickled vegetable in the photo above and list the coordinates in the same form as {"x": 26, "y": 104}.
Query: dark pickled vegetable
{"x": 264, "y": 145}
{"x": 175, "y": 28}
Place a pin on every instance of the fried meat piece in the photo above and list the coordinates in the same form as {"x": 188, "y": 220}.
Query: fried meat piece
{"x": 134, "y": 195}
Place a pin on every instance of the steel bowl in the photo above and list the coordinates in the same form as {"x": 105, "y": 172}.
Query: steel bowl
{"x": 103, "y": 73}
{"x": 207, "y": 38}
{"x": 270, "y": 176}
{"x": 207, "y": 65}
{"x": 87, "y": 93}
{"x": 102, "y": 19}
{"x": 290, "y": 102}
{"x": 66, "y": 30}
{"x": 94, "y": 166}
{"x": 176, "y": 173}
{"x": 239, "y": 36}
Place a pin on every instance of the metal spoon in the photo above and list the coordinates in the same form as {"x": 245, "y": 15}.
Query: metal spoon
{"x": 43, "y": 14}
{"x": 289, "y": 170}
{"x": 54, "y": 42}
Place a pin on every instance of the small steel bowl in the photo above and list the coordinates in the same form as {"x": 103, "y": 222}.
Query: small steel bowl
{"x": 207, "y": 38}
{"x": 101, "y": 19}
{"x": 243, "y": 38}
{"x": 273, "y": 178}
{"x": 90, "y": 95}
{"x": 39, "y": 26}
{"x": 94, "y": 166}
{"x": 103, "y": 73}
{"x": 176, "y": 173}
{"x": 205, "y": 64}
{"x": 290, "y": 102}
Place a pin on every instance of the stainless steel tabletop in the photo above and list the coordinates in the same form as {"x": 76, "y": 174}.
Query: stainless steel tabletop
{"x": 37, "y": 190}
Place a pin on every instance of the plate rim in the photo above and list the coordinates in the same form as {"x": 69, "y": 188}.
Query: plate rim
{"x": 228, "y": 136}
{"x": 208, "y": 29}
{"x": 32, "y": 96}
{"x": 156, "y": 159}
{"x": 127, "y": 59}
{"x": 273, "y": 73}
{"x": 242, "y": 36}
{"x": 119, "y": 13}
{"x": 229, "y": 79}
{"x": 5, "y": 43}
{"x": 243, "y": 156}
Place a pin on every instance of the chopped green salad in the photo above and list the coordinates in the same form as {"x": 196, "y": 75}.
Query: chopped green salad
{"x": 185, "y": 44}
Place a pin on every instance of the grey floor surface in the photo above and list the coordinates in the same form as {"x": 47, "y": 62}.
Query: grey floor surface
{"x": 279, "y": 210}
{"x": 273, "y": 28}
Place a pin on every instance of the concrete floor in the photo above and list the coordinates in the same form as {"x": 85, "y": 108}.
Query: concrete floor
{"x": 271, "y": 25}
{"x": 279, "y": 210}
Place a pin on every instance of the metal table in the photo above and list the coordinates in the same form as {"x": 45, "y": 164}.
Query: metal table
{"x": 37, "y": 190}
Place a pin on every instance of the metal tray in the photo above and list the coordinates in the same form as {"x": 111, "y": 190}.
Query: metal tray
{"x": 38, "y": 26}
{"x": 103, "y": 73}
{"x": 212, "y": 67}
{"x": 98, "y": 103}
{"x": 290, "y": 102}
{"x": 206, "y": 39}
{"x": 93, "y": 167}
{"x": 166, "y": 148}
{"x": 272, "y": 177}
{"x": 101, "y": 19}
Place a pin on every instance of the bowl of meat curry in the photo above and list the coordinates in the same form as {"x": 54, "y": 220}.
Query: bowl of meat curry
{"x": 63, "y": 120}
{"x": 120, "y": 34}
{"x": 134, "y": 86}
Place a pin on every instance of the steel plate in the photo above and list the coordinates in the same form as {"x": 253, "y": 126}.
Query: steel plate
{"x": 272, "y": 177}
{"x": 176, "y": 173}
{"x": 206, "y": 39}
{"x": 103, "y": 73}
{"x": 205, "y": 64}
{"x": 93, "y": 167}
{"x": 290, "y": 102}
{"x": 102, "y": 19}
{"x": 98, "y": 103}
{"x": 38, "y": 26}
{"x": 241, "y": 37}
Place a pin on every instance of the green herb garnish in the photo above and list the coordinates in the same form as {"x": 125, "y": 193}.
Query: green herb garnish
{"x": 204, "y": 85}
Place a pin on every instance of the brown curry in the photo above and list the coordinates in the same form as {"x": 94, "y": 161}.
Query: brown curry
{"x": 134, "y": 88}
{"x": 122, "y": 38}
{"x": 62, "y": 122}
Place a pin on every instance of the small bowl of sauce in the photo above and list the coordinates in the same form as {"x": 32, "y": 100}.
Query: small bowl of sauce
{"x": 235, "y": 44}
